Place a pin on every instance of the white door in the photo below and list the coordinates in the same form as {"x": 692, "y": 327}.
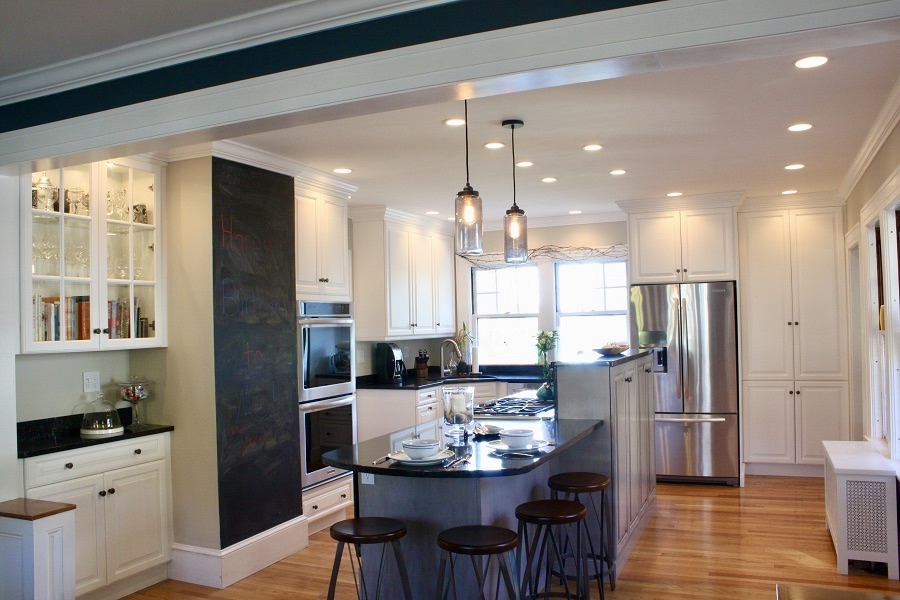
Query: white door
{"x": 820, "y": 316}
{"x": 400, "y": 281}
{"x": 767, "y": 332}
{"x": 822, "y": 414}
{"x": 707, "y": 245}
{"x": 306, "y": 255}
{"x": 445, "y": 292}
{"x": 654, "y": 241}
{"x": 333, "y": 247}
{"x": 768, "y": 413}
{"x": 423, "y": 268}
{"x": 90, "y": 526}
{"x": 136, "y": 525}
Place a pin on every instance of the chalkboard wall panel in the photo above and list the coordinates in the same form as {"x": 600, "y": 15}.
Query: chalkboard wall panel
{"x": 255, "y": 350}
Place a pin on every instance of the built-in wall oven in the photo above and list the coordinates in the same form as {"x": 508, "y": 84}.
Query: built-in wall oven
{"x": 327, "y": 385}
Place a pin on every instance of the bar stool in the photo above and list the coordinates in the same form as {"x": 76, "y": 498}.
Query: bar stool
{"x": 547, "y": 517}
{"x": 572, "y": 486}
{"x": 478, "y": 541}
{"x": 368, "y": 530}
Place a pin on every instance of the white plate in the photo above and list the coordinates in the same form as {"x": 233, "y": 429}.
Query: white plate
{"x": 532, "y": 447}
{"x": 401, "y": 457}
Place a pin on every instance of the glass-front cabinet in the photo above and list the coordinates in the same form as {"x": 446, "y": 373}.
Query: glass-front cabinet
{"x": 91, "y": 258}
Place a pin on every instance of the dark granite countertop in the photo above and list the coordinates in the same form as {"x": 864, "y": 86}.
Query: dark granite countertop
{"x": 562, "y": 433}
{"x": 610, "y": 361}
{"x": 507, "y": 373}
{"x": 46, "y": 436}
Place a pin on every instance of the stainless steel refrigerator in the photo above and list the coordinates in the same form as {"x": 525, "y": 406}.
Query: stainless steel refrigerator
{"x": 691, "y": 328}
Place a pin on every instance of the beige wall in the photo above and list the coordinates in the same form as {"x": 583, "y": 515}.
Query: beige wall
{"x": 882, "y": 166}
{"x": 588, "y": 234}
{"x": 184, "y": 372}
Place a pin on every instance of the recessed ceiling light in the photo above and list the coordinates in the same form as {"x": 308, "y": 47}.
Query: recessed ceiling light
{"x": 455, "y": 122}
{"x": 432, "y": 212}
{"x": 673, "y": 194}
{"x": 342, "y": 170}
{"x": 525, "y": 163}
{"x": 451, "y": 218}
{"x": 548, "y": 179}
{"x": 617, "y": 172}
{"x": 810, "y": 62}
{"x": 593, "y": 147}
{"x": 794, "y": 167}
{"x": 574, "y": 212}
{"x": 788, "y": 192}
{"x": 800, "y": 127}
{"x": 493, "y": 145}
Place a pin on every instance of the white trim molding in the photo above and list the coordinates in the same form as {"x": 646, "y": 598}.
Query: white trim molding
{"x": 221, "y": 568}
{"x": 813, "y": 200}
{"x": 386, "y": 213}
{"x": 717, "y": 200}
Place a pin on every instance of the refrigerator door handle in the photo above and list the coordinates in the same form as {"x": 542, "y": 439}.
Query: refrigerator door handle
{"x": 690, "y": 420}
{"x": 686, "y": 357}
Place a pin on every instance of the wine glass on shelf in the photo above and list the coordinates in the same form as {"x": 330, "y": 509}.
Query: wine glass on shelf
{"x": 74, "y": 196}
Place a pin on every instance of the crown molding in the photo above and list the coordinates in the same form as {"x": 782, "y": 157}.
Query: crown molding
{"x": 813, "y": 200}
{"x": 562, "y": 220}
{"x": 361, "y": 214}
{"x": 289, "y": 20}
{"x": 715, "y": 200}
{"x": 303, "y": 174}
{"x": 884, "y": 125}
{"x": 887, "y": 197}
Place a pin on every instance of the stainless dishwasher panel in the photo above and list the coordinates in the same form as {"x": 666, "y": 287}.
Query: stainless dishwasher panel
{"x": 696, "y": 446}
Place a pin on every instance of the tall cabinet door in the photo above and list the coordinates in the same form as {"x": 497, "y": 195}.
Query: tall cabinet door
{"x": 400, "y": 282}
{"x": 445, "y": 292}
{"x": 766, "y": 296}
{"x": 621, "y": 449}
{"x": 306, "y": 245}
{"x": 822, "y": 409}
{"x": 423, "y": 275}
{"x": 768, "y": 412}
{"x": 657, "y": 255}
{"x": 820, "y": 316}
{"x": 334, "y": 241}
{"x": 707, "y": 245}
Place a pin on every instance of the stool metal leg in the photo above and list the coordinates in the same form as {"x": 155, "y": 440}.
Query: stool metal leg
{"x": 508, "y": 573}
{"x": 335, "y": 569}
{"x": 442, "y": 577}
{"x": 401, "y": 567}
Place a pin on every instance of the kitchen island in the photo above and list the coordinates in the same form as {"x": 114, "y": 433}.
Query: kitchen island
{"x": 429, "y": 499}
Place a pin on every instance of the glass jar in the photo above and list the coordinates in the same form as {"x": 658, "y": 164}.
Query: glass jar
{"x": 459, "y": 412}
{"x": 101, "y": 420}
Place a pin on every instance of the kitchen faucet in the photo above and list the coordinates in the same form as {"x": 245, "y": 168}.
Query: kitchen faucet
{"x": 445, "y": 370}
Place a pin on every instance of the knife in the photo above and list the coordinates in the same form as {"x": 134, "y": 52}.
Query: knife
{"x": 505, "y": 454}
{"x": 378, "y": 461}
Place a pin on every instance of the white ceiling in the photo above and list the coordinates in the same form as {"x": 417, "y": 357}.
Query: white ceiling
{"x": 708, "y": 129}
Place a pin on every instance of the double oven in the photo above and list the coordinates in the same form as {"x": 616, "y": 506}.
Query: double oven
{"x": 327, "y": 385}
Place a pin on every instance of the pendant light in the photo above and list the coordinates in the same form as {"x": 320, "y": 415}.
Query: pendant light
{"x": 515, "y": 225}
{"x": 468, "y": 210}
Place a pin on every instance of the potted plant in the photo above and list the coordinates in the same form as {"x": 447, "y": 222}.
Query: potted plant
{"x": 465, "y": 340}
{"x": 546, "y": 341}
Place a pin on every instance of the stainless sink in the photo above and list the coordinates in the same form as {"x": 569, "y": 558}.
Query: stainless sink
{"x": 469, "y": 377}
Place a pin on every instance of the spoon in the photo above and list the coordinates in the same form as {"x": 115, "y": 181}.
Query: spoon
{"x": 464, "y": 458}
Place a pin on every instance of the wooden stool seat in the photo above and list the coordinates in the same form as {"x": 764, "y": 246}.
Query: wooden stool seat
{"x": 551, "y": 512}
{"x": 478, "y": 540}
{"x": 578, "y": 482}
{"x": 368, "y": 530}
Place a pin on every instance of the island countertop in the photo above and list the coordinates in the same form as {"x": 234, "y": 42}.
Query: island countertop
{"x": 561, "y": 433}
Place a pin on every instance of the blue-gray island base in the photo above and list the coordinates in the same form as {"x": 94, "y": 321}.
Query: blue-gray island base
{"x": 430, "y": 499}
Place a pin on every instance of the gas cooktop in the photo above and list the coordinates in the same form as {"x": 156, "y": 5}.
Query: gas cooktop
{"x": 514, "y": 407}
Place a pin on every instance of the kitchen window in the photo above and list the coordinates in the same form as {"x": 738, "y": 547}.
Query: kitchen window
{"x": 592, "y": 305}
{"x": 506, "y": 302}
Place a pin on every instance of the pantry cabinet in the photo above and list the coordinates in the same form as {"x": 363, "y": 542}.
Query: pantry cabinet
{"x": 92, "y": 258}
{"x": 123, "y": 522}
{"x": 682, "y": 245}
{"x": 404, "y": 266}
{"x": 793, "y": 333}
{"x": 321, "y": 246}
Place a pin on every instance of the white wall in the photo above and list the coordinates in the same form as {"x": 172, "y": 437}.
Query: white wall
{"x": 11, "y": 482}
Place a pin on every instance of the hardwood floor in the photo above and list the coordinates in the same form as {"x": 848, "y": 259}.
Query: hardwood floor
{"x": 704, "y": 542}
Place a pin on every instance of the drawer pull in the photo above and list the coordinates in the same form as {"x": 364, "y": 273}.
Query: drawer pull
{"x": 112, "y": 491}
{"x": 315, "y": 507}
{"x": 343, "y": 495}
{"x": 137, "y": 451}
{"x": 102, "y": 493}
{"x": 70, "y": 466}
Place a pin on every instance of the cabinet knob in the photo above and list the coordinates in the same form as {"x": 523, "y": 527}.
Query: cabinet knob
{"x": 791, "y": 392}
{"x": 315, "y": 507}
{"x": 69, "y": 465}
{"x": 798, "y": 392}
{"x": 102, "y": 493}
{"x": 646, "y": 370}
{"x": 112, "y": 491}
{"x": 789, "y": 323}
{"x": 106, "y": 331}
{"x": 97, "y": 330}
{"x": 325, "y": 280}
{"x": 678, "y": 270}
{"x": 684, "y": 270}
{"x": 137, "y": 451}
{"x": 628, "y": 379}
{"x": 796, "y": 322}
{"x": 343, "y": 495}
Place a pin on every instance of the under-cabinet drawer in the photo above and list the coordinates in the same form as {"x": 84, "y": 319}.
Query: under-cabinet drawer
{"x": 426, "y": 413}
{"x": 427, "y": 396}
{"x": 71, "y": 464}
{"x": 321, "y": 503}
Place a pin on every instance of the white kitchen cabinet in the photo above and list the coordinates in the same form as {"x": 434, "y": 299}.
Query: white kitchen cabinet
{"x": 682, "y": 245}
{"x": 401, "y": 277}
{"x": 321, "y": 245}
{"x": 326, "y": 504}
{"x": 123, "y": 523}
{"x": 786, "y": 422}
{"x": 91, "y": 258}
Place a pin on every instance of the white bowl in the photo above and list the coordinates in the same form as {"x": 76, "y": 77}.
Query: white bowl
{"x": 516, "y": 438}
{"x": 421, "y": 448}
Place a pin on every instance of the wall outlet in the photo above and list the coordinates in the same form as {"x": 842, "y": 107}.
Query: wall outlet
{"x": 91, "y": 381}
{"x": 367, "y": 478}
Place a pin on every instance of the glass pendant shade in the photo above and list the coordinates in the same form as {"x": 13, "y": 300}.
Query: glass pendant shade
{"x": 515, "y": 236}
{"x": 468, "y": 222}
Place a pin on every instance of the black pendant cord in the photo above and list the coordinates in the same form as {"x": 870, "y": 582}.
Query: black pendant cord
{"x": 466, "y": 118}
{"x": 513, "y": 130}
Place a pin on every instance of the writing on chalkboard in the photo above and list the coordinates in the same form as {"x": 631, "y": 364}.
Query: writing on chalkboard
{"x": 242, "y": 242}
{"x": 250, "y": 302}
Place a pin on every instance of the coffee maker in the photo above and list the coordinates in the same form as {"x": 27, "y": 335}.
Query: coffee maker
{"x": 389, "y": 366}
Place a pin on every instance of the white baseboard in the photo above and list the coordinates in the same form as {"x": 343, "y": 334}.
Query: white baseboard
{"x": 221, "y": 568}
{"x": 784, "y": 470}
{"x": 129, "y": 585}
